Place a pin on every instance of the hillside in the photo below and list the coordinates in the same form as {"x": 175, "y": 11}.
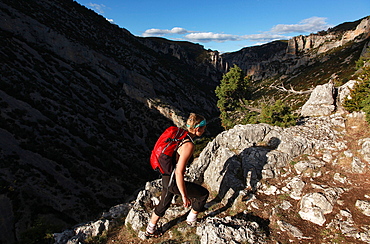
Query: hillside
{"x": 83, "y": 101}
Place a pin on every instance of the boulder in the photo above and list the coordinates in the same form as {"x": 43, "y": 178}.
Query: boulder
{"x": 230, "y": 230}
{"x": 321, "y": 101}
{"x": 81, "y": 232}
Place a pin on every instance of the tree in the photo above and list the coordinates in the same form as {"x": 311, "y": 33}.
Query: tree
{"x": 232, "y": 94}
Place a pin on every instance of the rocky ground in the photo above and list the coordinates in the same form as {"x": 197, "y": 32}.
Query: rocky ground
{"x": 311, "y": 185}
{"x": 323, "y": 197}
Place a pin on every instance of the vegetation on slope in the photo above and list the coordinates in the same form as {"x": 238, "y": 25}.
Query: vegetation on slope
{"x": 234, "y": 96}
{"x": 360, "y": 96}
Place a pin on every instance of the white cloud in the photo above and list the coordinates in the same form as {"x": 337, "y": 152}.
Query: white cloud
{"x": 264, "y": 37}
{"x": 159, "y": 32}
{"x": 278, "y": 32}
{"x": 312, "y": 24}
{"x": 99, "y": 8}
{"x": 210, "y": 36}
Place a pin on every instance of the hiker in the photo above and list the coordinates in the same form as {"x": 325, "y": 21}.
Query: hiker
{"x": 192, "y": 194}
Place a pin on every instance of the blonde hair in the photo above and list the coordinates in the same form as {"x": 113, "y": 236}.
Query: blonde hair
{"x": 193, "y": 120}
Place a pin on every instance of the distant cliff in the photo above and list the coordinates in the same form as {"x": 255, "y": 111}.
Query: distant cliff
{"x": 304, "y": 61}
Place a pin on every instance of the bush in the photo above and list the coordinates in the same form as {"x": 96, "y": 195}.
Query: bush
{"x": 360, "y": 95}
{"x": 278, "y": 114}
{"x": 366, "y": 107}
{"x": 234, "y": 94}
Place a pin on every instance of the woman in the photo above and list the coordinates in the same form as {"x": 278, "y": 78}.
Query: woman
{"x": 192, "y": 194}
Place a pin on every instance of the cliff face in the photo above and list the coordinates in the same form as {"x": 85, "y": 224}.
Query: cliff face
{"x": 304, "y": 61}
{"x": 327, "y": 40}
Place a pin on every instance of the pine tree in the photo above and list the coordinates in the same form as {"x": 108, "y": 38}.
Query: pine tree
{"x": 232, "y": 94}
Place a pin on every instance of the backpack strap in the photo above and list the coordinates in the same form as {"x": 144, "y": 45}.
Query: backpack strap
{"x": 185, "y": 141}
{"x": 173, "y": 171}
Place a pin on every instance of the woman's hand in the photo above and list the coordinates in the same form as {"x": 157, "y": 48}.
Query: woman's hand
{"x": 186, "y": 201}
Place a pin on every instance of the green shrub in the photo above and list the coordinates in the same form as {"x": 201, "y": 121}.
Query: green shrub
{"x": 366, "y": 107}
{"x": 277, "y": 114}
{"x": 360, "y": 95}
{"x": 233, "y": 101}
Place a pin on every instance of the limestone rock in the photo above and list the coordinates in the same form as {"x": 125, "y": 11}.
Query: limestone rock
{"x": 357, "y": 165}
{"x": 364, "y": 206}
{"x": 321, "y": 101}
{"x": 139, "y": 214}
{"x": 291, "y": 229}
{"x": 81, "y": 232}
{"x": 314, "y": 206}
{"x": 230, "y": 230}
{"x": 313, "y": 214}
{"x": 344, "y": 222}
{"x": 294, "y": 187}
{"x": 365, "y": 150}
{"x": 309, "y": 167}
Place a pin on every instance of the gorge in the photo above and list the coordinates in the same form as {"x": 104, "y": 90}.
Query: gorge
{"x": 83, "y": 101}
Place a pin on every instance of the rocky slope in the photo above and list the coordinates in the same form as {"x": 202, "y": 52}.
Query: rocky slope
{"x": 304, "y": 184}
{"x": 83, "y": 101}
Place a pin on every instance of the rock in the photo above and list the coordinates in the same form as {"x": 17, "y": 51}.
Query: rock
{"x": 291, "y": 229}
{"x": 230, "y": 230}
{"x": 314, "y": 206}
{"x": 365, "y": 150}
{"x": 344, "y": 92}
{"x": 139, "y": 214}
{"x": 269, "y": 190}
{"x": 117, "y": 211}
{"x": 321, "y": 101}
{"x": 364, "y": 206}
{"x": 294, "y": 187}
{"x": 365, "y": 235}
{"x": 285, "y": 205}
{"x": 309, "y": 167}
{"x": 91, "y": 229}
{"x": 344, "y": 222}
{"x": 80, "y": 233}
{"x": 313, "y": 214}
{"x": 340, "y": 178}
{"x": 357, "y": 165}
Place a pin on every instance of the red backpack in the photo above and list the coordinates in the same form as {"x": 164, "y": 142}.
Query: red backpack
{"x": 161, "y": 158}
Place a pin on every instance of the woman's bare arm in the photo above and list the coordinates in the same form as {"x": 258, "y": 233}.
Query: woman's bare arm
{"x": 185, "y": 152}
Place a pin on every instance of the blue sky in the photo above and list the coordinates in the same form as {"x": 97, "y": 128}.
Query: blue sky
{"x": 228, "y": 26}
